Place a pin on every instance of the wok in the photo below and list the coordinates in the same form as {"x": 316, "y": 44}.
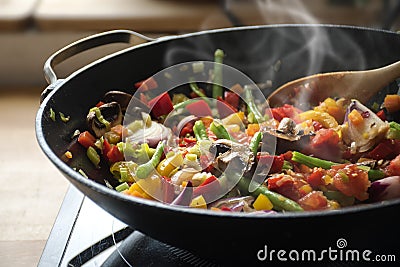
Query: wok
{"x": 279, "y": 53}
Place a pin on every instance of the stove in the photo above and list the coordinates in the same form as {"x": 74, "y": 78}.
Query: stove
{"x": 86, "y": 235}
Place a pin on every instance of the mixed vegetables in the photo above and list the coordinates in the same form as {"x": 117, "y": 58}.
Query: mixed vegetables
{"x": 216, "y": 153}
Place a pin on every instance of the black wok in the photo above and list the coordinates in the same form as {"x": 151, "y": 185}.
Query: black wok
{"x": 277, "y": 53}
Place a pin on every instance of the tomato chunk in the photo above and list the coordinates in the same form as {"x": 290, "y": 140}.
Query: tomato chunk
{"x": 287, "y": 186}
{"x": 276, "y": 162}
{"x": 315, "y": 178}
{"x": 394, "y": 167}
{"x": 350, "y": 180}
{"x": 86, "y": 139}
{"x": 314, "y": 200}
{"x": 325, "y": 145}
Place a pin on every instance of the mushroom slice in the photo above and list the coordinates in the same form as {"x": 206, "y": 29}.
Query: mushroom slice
{"x": 101, "y": 119}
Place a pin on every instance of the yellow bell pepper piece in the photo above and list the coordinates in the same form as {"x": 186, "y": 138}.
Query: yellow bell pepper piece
{"x": 198, "y": 202}
{"x": 167, "y": 165}
{"x": 324, "y": 118}
{"x": 262, "y": 203}
{"x": 355, "y": 117}
{"x": 137, "y": 191}
{"x": 150, "y": 186}
{"x": 234, "y": 118}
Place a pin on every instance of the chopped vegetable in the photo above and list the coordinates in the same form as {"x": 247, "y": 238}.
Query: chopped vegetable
{"x": 251, "y": 105}
{"x": 394, "y": 130}
{"x": 262, "y": 202}
{"x": 200, "y": 130}
{"x": 86, "y": 139}
{"x": 198, "y": 202}
{"x": 161, "y": 105}
{"x": 145, "y": 169}
{"x": 392, "y": 103}
{"x": 68, "y": 154}
{"x": 219, "y": 130}
{"x": 197, "y": 91}
{"x": 63, "y": 117}
{"x": 93, "y": 156}
{"x": 199, "y": 108}
{"x": 122, "y": 187}
{"x": 255, "y": 142}
{"x": 311, "y": 161}
{"x": 278, "y": 201}
{"x": 217, "y": 81}
{"x": 146, "y": 85}
{"x": 52, "y": 115}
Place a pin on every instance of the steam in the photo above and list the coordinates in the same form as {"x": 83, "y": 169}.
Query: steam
{"x": 299, "y": 50}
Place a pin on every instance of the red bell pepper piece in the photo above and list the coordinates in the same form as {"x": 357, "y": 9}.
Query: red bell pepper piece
{"x": 277, "y": 162}
{"x": 86, "y": 139}
{"x": 224, "y": 108}
{"x": 99, "y": 104}
{"x": 213, "y": 183}
{"x": 106, "y": 147}
{"x": 187, "y": 129}
{"x": 387, "y": 149}
{"x": 199, "y": 108}
{"x": 161, "y": 105}
{"x": 146, "y": 85}
{"x": 232, "y": 99}
{"x": 114, "y": 155}
{"x": 381, "y": 114}
{"x": 144, "y": 99}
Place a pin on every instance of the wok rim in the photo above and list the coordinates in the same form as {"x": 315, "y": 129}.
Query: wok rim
{"x": 92, "y": 185}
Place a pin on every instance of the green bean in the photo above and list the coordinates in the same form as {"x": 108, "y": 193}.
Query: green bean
{"x": 183, "y": 104}
{"x": 196, "y": 89}
{"x": 219, "y": 130}
{"x": 278, "y": 201}
{"x": 144, "y": 170}
{"x": 374, "y": 175}
{"x": 251, "y": 105}
{"x": 311, "y": 161}
{"x": 254, "y": 142}
{"x": 200, "y": 131}
{"x": 217, "y": 82}
{"x": 325, "y": 164}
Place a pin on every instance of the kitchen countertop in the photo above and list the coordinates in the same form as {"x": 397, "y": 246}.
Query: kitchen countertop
{"x": 32, "y": 189}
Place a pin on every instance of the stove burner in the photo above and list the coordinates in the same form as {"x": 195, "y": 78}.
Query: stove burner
{"x": 140, "y": 250}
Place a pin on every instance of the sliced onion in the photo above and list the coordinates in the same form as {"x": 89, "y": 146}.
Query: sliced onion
{"x": 151, "y": 135}
{"x": 364, "y": 136}
{"x": 385, "y": 189}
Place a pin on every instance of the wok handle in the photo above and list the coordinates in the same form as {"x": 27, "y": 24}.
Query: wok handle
{"x": 104, "y": 38}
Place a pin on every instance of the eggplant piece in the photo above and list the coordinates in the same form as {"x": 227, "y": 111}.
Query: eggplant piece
{"x": 101, "y": 119}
